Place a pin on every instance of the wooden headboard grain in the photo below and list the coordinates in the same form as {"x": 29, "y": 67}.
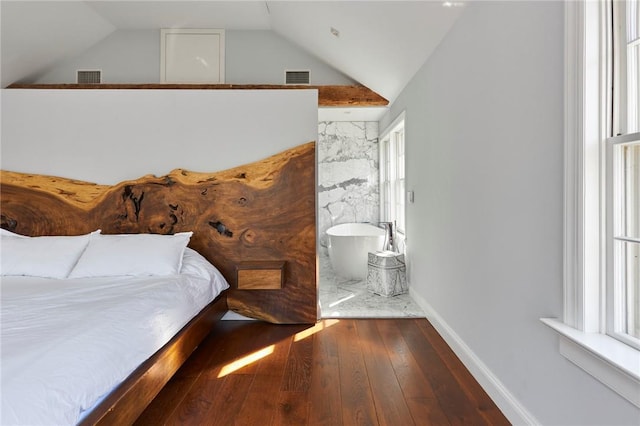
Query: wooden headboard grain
{"x": 263, "y": 211}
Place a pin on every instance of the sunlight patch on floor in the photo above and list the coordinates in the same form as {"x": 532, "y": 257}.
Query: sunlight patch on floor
{"x": 344, "y": 299}
{"x": 321, "y": 325}
{"x": 246, "y": 360}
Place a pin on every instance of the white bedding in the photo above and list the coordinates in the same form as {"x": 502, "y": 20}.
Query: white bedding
{"x": 66, "y": 343}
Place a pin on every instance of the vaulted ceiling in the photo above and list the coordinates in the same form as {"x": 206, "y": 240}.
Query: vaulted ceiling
{"x": 380, "y": 44}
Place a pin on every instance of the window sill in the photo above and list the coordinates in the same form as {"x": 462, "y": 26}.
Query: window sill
{"x": 611, "y": 362}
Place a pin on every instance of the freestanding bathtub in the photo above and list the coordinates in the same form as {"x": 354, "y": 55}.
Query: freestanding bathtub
{"x": 349, "y": 245}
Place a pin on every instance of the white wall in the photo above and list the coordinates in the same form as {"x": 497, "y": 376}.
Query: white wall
{"x": 262, "y": 57}
{"x": 42, "y": 32}
{"x": 106, "y": 136}
{"x": 251, "y": 57}
{"x": 125, "y": 56}
{"x": 484, "y": 134}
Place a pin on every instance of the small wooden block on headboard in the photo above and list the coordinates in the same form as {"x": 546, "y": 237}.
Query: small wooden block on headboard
{"x": 260, "y": 275}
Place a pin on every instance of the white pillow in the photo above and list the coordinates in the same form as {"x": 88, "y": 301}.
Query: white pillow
{"x": 193, "y": 263}
{"x": 7, "y": 233}
{"x": 132, "y": 254}
{"x": 49, "y": 257}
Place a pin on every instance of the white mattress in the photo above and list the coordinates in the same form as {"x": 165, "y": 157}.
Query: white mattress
{"x": 66, "y": 343}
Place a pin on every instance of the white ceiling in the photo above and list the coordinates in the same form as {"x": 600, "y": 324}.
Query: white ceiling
{"x": 232, "y": 15}
{"x": 381, "y": 44}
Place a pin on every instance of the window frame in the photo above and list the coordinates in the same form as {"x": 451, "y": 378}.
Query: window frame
{"x": 624, "y": 130}
{"x": 396, "y": 191}
{"x": 583, "y": 328}
{"x": 616, "y": 293}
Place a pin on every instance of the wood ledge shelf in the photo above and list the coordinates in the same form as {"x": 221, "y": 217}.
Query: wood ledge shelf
{"x": 260, "y": 275}
{"x": 328, "y": 96}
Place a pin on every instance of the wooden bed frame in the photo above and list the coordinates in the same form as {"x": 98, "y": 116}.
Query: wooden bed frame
{"x": 126, "y": 402}
{"x": 261, "y": 213}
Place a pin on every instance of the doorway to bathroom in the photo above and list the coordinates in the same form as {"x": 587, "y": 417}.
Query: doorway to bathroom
{"x": 361, "y": 180}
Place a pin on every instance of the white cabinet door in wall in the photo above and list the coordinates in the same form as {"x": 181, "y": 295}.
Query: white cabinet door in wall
{"x": 191, "y": 56}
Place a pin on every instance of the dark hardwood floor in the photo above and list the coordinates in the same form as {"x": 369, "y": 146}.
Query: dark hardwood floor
{"x": 340, "y": 372}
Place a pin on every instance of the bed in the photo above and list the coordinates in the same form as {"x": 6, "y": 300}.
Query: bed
{"x": 57, "y": 331}
{"x": 80, "y": 313}
{"x": 261, "y": 213}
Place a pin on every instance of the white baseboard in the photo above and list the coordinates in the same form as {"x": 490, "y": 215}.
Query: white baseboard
{"x": 515, "y": 412}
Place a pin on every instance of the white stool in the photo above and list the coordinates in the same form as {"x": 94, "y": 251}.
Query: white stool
{"x": 386, "y": 274}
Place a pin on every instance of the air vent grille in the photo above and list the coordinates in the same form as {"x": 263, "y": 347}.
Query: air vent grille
{"x": 89, "y": 76}
{"x": 297, "y": 77}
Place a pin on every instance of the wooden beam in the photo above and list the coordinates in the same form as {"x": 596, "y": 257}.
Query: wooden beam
{"x": 328, "y": 96}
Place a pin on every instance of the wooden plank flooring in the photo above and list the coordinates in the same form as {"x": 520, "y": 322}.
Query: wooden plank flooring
{"x": 339, "y": 372}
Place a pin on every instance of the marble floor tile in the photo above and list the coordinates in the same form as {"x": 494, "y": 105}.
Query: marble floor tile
{"x": 343, "y": 298}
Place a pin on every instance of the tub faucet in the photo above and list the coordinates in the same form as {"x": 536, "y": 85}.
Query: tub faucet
{"x": 388, "y": 239}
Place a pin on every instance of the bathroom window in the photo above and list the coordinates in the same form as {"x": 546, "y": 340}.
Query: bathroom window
{"x": 392, "y": 176}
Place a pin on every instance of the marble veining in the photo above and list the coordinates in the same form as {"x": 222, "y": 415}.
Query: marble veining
{"x": 347, "y": 174}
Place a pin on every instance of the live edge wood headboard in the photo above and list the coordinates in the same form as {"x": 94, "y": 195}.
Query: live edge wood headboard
{"x": 261, "y": 213}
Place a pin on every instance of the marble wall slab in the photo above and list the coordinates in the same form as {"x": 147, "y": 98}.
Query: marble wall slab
{"x": 348, "y": 189}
